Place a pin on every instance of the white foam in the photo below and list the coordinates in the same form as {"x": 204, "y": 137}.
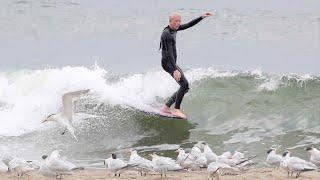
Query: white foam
{"x": 270, "y": 85}
{"x": 27, "y": 96}
{"x": 273, "y": 83}
{"x": 31, "y": 95}
{"x": 301, "y": 79}
{"x": 255, "y": 72}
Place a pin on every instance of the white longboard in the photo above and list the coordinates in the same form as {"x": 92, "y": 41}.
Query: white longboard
{"x": 156, "y": 112}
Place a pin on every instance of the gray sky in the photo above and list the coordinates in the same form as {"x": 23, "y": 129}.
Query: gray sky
{"x": 123, "y": 36}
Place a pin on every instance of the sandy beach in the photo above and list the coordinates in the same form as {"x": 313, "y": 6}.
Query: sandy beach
{"x": 257, "y": 173}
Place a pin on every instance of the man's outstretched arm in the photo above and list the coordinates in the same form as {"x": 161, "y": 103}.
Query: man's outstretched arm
{"x": 194, "y": 22}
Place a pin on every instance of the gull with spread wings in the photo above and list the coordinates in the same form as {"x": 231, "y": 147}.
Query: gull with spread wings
{"x": 65, "y": 117}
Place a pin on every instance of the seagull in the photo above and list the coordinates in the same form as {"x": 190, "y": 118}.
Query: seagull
{"x": 58, "y": 164}
{"x": 144, "y": 165}
{"x": 243, "y": 162}
{"x": 65, "y": 117}
{"x": 106, "y": 161}
{"x": 236, "y": 160}
{"x": 295, "y": 164}
{"x": 237, "y": 155}
{"x": 214, "y": 169}
{"x": 314, "y": 155}
{"x": 199, "y": 157}
{"x": 6, "y": 158}
{"x": 20, "y": 166}
{"x": 274, "y": 159}
{"x": 284, "y": 163}
{"x": 117, "y": 166}
{"x": 164, "y": 164}
{"x": 209, "y": 154}
{"x": 226, "y": 155}
{"x": 184, "y": 159}
{"x": 44, "y": 169}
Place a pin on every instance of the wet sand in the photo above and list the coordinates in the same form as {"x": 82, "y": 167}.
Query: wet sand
{"x": 256, "y": 173}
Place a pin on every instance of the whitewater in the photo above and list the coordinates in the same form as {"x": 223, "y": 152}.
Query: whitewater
{"x": 235, "y": 109}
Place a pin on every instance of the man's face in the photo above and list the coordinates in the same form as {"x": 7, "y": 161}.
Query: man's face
{"x": 175, "y": 22}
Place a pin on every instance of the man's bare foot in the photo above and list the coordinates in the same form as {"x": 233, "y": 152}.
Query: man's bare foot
{"x": 165, "y": 109}
{"x": 178, "y": 113}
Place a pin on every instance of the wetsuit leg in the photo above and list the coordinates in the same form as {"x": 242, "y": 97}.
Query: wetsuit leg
{"x": 178, "y": 96}
{"x": 172, "y": 99}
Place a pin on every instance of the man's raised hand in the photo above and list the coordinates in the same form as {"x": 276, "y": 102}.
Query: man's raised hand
{"x": 207, "y": 14}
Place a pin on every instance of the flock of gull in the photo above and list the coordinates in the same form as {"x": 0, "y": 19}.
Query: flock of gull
{"x": 201, "y": 156}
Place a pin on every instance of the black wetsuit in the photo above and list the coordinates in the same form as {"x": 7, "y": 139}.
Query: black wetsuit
{"x": 169, "y": 59}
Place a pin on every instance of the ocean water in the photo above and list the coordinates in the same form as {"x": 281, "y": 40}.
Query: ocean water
{"x": 253, "y": 70}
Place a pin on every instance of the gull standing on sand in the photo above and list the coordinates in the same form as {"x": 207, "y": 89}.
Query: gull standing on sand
{"x": 6, "y": 158}
{"x": 163, "y": 165}
{"x": 59, "y": 164}
{"x": 236, "y": 160}
{"x": 314, "y": 155}
{"x": 65, "y": 117}
{"x": 209, "y": 154}
{"x": 295, "y": 164}
{"x": 199, "y": 157}
{"x": 144, "y": 165}
{"x": 117, "y": 166}
{"x": 212, "y": 170}
{"x": 274, "y": 159}
{"x": 225, "y": 155}
{"x": 44, "y": 169}
{"x": 243, "y": 162}
{"x": 106, "y": 161}
{"x": 227, "y": 158}
{"x": 20, "y": 166}
{"x": 237, "y": 155}
{"x": 215, "y": 168}
{"x": 184, "y": 159}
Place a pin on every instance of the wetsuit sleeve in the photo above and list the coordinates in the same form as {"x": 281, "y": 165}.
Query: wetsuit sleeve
{"x": 167, "y": 50}
{"x": 190, "y": 24}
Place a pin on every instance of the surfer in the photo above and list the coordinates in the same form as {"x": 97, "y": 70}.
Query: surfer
{"x": 169, "y": 59}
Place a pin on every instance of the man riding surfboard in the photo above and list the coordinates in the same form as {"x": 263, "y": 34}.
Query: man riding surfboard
{"x": 169, "y": 58}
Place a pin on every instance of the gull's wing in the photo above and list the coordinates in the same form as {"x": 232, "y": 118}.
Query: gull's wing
{"x": 68, "y": 104}
{"x": 315, "y": 159}
{"x": 45, "y": 171}
{"x": 6, "y": 158}
{"x": 302, "y": 166}
{"x": 60, "y": 165}
{"x": 167, "y": 163}
{"x": 213, "y": 168}
{"x": 237, "y": 155}
{"x": 116, "y": 165}
{"x": 19, "y": 165}
{"x": 226, "y": 155}
{"x": 276, "y": 159}
{"x": 71, "y": 130}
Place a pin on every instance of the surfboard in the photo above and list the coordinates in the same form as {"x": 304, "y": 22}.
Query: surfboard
{"x": 156, "y": 112}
